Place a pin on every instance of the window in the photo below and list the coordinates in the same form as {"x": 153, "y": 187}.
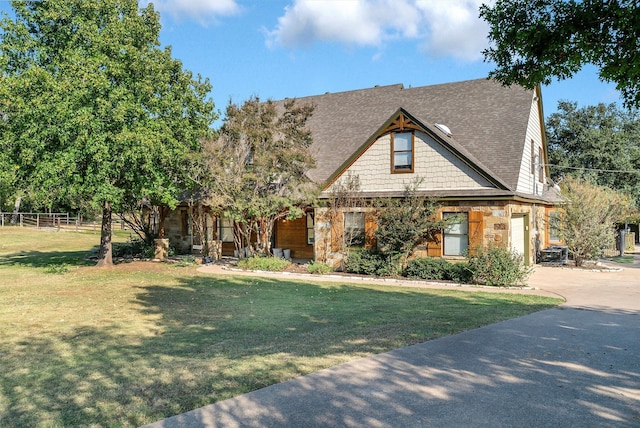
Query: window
{"x": 354, "y": 229}
{"x": 226, "y": 229}
{"x": 402, "y": 152}
{"x": 554, "y": 226}
{"x": 310, "y": 230}
{"x": 456, "y": 236}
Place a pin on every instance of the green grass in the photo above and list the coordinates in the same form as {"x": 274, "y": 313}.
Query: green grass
{"x": 626, "y": 259}
{"x": 132, "y": 344}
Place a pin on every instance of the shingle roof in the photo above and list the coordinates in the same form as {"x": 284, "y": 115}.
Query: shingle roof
{"x": 488, "y": 122}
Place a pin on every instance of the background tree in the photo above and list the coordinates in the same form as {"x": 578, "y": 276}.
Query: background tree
{"x": 588, "y": 221}
{"x": 600, "y": 143}
{"x": 257, "y": 167}
{"x": 533, "y": 41}
{"x": 95, "y": 112}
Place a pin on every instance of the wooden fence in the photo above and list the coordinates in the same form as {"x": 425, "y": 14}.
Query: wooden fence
{"x": 57, "y": 221}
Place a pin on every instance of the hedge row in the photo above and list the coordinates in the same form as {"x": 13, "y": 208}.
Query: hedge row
{"x": 495, "y": 266}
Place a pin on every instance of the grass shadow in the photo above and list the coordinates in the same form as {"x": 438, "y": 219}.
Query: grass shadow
{"x": 205, "y": 339}
{"x": 40, "y": 259}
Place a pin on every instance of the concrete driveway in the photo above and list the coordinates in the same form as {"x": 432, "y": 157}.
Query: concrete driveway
{"x": 574, "y": 366}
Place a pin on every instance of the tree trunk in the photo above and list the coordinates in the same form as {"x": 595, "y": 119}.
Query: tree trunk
{"x": 105, "y": 253}
{"x": 16, "y": 210}
{"x": 163, "y": 212}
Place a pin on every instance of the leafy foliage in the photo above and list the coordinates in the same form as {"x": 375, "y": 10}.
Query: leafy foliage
{"x": 600, "y": 143}
{"x": 587, "y": 223}
{"x": 134, "y": 247}
{"x": 272, "y": 264}
{"x": 319, "y": 268}
{"x": 405, "y": 223}
{"x": 438, "y": 269}
{"x": 498, "y": 267}
{"x": 254, "y": 172}
{"x": 95, "y": 114}
{"x": 369, "y": 262}
{"x": 535, "y": 40}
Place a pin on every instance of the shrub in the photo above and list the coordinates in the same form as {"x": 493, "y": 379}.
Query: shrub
{"x": 319, "y": 268}
{"x": 272, "y": 264}
{"x": 498, "y": 267}
{"x": 368, "y": 262}
{"x": 427, "y": 268}
{"x": 187, "y": 261}
{"x": 460, "y": 272}
{"x": 438, "y": 269}
{"x": 134, "y": 247}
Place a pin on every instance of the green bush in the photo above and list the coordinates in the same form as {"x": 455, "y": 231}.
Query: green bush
{"x": 438, "y": 269}
{"x": 319, "y": 268}
{"x": 134, "y": 247}
{"x": 264, "y": 263}
{"x": 460, "y": 272}
{"x": 498, "y": 267}
{"x": 368, "y": 262}
{"x": 427, "y": 268}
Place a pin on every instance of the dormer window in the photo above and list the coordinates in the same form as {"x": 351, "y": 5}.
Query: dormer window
{"x": 402, "y": 152}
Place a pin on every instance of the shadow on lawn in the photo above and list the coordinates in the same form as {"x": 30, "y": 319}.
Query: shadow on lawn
{"x": 40, "y": 259}
{"x": 201, "y": 343}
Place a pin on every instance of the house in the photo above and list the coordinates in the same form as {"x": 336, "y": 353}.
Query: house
{"x": 476, "y": 146}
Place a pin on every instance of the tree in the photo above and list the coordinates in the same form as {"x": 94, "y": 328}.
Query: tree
{"x": 533, "y": 41}
{"x": 255, "y": 171}
{"x": 405, "y": 223}
{"x": 94, "y": 111}
{"x": 590, "y": 213}
{"x": 343, "y": 196}
{"x": 600, "y": 143}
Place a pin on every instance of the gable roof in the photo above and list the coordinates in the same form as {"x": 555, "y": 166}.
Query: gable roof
{"x": 488, "y": 123}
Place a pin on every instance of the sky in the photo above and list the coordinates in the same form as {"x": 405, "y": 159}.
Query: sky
{"x": 276, "y": 49}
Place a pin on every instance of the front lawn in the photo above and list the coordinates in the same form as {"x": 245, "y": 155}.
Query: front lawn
{"x": 132, "y": 344}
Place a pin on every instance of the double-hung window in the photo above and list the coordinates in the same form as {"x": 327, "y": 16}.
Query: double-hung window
{"x": 226, "y": 229}
{"x": 456, "y": 236}
{"x": 402, "y": 152}
{"x": 554, "y": 226}
{"x": 354, "y": 234}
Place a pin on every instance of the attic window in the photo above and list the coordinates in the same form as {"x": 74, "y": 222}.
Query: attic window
{"x": 402, "y": 152}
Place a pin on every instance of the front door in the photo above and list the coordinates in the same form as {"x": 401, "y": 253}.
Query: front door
{"x": 519, "y": 236}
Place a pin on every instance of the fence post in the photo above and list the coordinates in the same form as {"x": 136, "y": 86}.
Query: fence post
{"x": 21, "y": 220}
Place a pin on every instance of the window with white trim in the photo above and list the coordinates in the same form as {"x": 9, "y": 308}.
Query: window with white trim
{"x": 402, "y": 151}
{"x": 456, "y": 236}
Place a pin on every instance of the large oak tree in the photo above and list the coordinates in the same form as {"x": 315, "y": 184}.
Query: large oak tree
{"x": 94, "y": 112}
{"x": 533, "y": 41}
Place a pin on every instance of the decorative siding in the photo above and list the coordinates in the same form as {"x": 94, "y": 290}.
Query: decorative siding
{"x": 527, "y": 182}
{"x": 439, "y": 168}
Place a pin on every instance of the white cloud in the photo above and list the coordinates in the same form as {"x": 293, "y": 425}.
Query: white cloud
{"x": 199, "y": 10}
{"x": 442, "y": 27}
{"x": 455, "y": 29}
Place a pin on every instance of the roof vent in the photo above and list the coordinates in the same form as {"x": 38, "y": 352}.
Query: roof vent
{"x": 444, "y": 128}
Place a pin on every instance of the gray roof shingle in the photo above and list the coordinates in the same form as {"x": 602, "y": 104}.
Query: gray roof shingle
{"x": 488, "y": 123}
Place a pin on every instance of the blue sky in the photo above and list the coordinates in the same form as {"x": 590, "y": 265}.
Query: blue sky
{"x": 294, "y": 48}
